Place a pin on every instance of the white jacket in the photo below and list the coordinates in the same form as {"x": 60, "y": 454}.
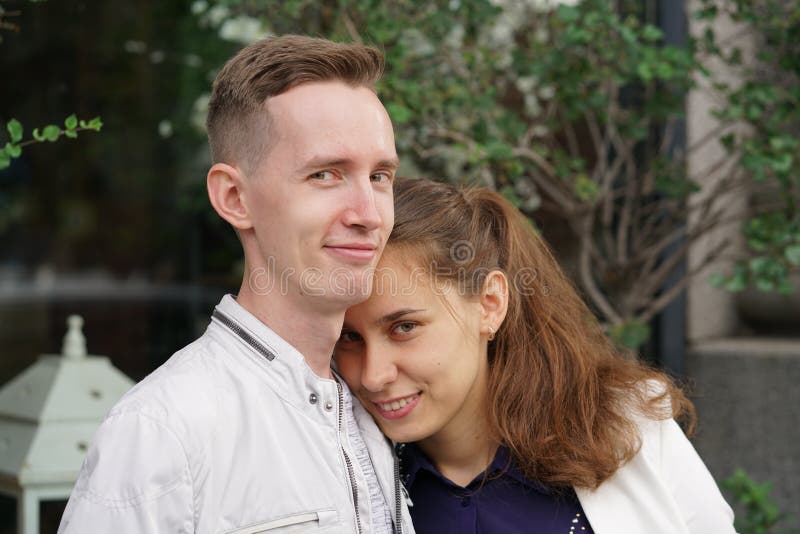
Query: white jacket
{"x": 664, "y": 489}
{"x": 234, "y": 434}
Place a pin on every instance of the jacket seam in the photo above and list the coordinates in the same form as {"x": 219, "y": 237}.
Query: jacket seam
{"x": 143, "y": 496}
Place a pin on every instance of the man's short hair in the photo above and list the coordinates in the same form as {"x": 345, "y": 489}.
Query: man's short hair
{"x": 237, "y": 121}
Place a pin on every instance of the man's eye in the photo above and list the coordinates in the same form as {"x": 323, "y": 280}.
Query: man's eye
{"x": 405, "y": 327}
{"x": 322, "y": 175}
{"x": 381, "y": 177}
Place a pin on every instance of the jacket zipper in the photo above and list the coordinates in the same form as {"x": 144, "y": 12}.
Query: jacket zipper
{"x": 398, "y": 506}
{"x": 348, "y": 462}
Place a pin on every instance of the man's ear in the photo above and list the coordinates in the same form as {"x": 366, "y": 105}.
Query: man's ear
{"x": 494, "y": 302}
{"x": 227, "y": 194}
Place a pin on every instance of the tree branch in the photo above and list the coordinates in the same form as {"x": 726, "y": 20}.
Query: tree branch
{"x": 657, "y": 305}
{"x": 351, "y": 28}
{"x": 547, "y": 185}
{"x": 586, "y": 274}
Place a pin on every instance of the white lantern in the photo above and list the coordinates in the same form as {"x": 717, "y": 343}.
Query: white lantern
{"x": 48, "y": 415}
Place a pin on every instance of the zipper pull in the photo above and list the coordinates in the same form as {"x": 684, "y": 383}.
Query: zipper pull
{"x": 407, "y": 497}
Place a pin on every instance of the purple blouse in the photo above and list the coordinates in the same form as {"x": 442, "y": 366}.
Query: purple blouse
{"x": 504, "y": 503}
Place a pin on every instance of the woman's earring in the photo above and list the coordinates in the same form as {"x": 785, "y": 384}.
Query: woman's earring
{"x": 491, "y": 333}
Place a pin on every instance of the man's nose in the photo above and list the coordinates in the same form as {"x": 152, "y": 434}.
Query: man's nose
{"x": 362, "y": 207}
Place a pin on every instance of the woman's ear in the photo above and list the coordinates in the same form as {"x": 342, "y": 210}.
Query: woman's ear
{"x": 494, "y": 302}
{"x": 226, "y": 192}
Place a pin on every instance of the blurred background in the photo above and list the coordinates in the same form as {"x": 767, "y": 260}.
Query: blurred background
{"x": 653, "y": 142}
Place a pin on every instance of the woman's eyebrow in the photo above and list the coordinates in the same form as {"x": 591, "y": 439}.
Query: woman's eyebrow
{"x": 389, "y": 317}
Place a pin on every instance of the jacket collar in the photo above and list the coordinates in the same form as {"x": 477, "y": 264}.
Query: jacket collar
{"x": 503, "y": 465}
{"x": 284, "y": 367}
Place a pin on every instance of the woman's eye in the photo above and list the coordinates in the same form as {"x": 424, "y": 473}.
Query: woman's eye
{"x": 349, "y": 337}
{"x": 405, "y": 327}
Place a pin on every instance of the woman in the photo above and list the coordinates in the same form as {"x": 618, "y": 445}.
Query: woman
{"x": 520, "y": 415}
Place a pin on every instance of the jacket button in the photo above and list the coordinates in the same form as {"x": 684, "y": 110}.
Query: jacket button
{"x": 329, "y": 406}
{"x": 312, "y": 398}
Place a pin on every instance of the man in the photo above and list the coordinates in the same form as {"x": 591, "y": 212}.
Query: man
{"x": 246, "y": 430}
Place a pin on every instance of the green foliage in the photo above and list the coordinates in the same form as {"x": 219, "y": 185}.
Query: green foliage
{"x": 574, "y": 109}
{"x": 761, "y": 513}
{"x": 49, "y": 133}
{"x": 774, "y": 239}
{"x": 630, "y": 334}
{"x": 768, "y": 102}
{"x": 585, "y": 189}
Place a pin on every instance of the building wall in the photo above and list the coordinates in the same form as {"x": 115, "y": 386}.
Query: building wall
{"x": 712, "y": 312}
{"x": 747, "y": 395}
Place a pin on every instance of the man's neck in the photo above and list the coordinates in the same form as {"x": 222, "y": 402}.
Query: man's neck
{"x": 312, "y": 330}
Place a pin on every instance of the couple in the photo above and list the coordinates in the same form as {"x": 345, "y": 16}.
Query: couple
{"x": 511, "y": 411}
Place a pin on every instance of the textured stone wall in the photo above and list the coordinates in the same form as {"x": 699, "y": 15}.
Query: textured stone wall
{"x": 747, "y": 394}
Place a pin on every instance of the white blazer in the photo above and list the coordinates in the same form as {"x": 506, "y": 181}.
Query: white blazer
{"x": 664, "y": 489}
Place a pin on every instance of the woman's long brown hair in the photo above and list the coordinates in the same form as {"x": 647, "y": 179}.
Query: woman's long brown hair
{"x": 561, "y": 397}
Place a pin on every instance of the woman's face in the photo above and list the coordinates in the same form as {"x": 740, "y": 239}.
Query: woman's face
{"x": 418, "y": 367}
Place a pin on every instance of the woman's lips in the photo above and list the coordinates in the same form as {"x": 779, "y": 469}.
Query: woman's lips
{"x": 397, "y": 408}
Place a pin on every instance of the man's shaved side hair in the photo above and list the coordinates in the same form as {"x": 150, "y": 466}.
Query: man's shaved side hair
{"x": 237, "y": 122}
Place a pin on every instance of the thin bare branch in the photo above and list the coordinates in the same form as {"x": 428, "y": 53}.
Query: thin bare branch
{"x": 547, "y": 183}
{"x": 663, "y": 300}
{"x": 711, "y": 135}
{"x": 668, "y": 136}
{"x": 351, "y": 28}
{"x": 569, "y": 132}
{"x": 586, "y": 273}
{"x": 626, "y": 214}
{"x": 597, "y": 140}
{"x": 652, "y": 281}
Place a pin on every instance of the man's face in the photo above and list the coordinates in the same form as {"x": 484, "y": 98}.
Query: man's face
{"x": 321, "y": 199}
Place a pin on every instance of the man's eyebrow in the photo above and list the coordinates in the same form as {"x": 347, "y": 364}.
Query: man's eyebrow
{"x": 321, "y": 162}
{"x": 395, "y": 315}
{"x": 392, "y": 164}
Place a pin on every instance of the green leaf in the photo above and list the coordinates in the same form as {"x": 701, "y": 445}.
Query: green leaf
{"x": 95, "y": 124}
{"x": 759, "y": 264}
{"x": 71, "y": 122}
{"x": 717, "y": 279}
{"x": 51, "y": 132}
{"x": 399, "y": 113}
{"x": 15, "y": 130}
{"x": 13, "y": 150}
{"x": 644, "y": 71}
{"x": 785, "y": 287}
{"x": 737, "y": 282}
{"x": 585, "y": 189}
{"x": 511, "y": 195}
{"x": 568, "y": 13}
{"x": 652, "y": 33}
{"x": 707, "y": 13}
{"x": 728, "y": 140}
{"x": 782, "y": 164}
{"x": 792, "y": 254}
{"x": 498, "y": 150}
{"x": 765, "y": 284}
{"x": 5, "y": 160}
{"x": 631, "y": 334}
{"x": 38, "y": 136}
{"x": 71, "y": 134}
